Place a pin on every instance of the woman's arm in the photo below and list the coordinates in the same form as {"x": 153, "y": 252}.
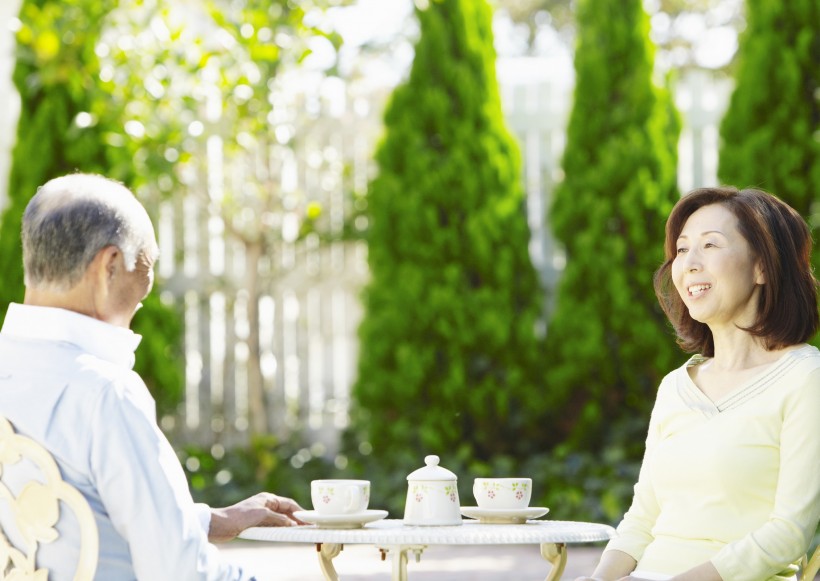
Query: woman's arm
{"x": 635, "y": 530}
{"x": 614, "y": 564}
{"x": 704, "y": 572}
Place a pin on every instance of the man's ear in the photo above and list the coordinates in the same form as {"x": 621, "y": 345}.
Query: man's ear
{"x": 105, "y": 265}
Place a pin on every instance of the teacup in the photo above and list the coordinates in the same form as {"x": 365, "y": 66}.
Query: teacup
{"x": 340, "y": 496}
{"x": 502, "y": 493}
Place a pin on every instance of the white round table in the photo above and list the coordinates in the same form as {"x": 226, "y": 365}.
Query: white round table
{"x": 398, "y": 539}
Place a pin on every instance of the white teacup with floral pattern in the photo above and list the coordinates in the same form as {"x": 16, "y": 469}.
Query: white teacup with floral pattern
{"x": 502, "y": 493}
{"x": 339, "y": 496}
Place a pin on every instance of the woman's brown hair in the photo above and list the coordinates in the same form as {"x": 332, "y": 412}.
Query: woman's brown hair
{"x": 780, "y": 239}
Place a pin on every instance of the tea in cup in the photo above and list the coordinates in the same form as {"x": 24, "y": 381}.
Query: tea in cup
{"x": 502, "y": 493}
{"x": 339, "y": 496}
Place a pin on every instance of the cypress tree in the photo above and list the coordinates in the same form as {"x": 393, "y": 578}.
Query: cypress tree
{"x": 65, "y": 123}
{"x": 448, "y": 342}
{"x": 769, "y": 135}
{"x": 608, "y": 343}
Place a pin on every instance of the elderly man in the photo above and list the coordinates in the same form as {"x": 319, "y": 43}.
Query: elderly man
{"x": 66, "y": 381}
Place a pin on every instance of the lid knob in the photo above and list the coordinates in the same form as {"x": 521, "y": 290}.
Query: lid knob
{"x": 431, "y": 470}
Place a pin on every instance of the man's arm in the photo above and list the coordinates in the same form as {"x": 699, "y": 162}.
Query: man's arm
{"x": 261, "y": 510}
{"x": 145, "y": 493}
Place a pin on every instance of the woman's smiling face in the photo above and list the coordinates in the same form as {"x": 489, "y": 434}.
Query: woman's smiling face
{"x": 714, "y": 270}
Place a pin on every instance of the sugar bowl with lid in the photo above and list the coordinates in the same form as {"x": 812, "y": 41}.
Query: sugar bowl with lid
{"x": 432, "y": 496}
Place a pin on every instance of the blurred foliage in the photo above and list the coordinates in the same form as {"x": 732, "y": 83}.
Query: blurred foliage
{"x": 56, "y": 77}
{"x": 65, "y": 118}
{"x": 222, "y": 478}
{"x": 449, "y": 352}
{"x": 770, "y": 136}
{"x": 159, "y": 358}
{"x": 608, "y": 343}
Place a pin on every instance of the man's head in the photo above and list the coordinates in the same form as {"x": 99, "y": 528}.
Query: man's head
{"x": 88, "y": 243}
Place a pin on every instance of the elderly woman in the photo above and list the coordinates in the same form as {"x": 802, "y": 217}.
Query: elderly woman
{"x": 729, "y": 488}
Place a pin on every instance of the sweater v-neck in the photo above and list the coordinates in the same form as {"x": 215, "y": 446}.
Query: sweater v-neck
{"x": 697, "y": 399}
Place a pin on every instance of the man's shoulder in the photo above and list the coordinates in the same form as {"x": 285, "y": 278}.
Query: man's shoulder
{"x": 91, "y": 366}
{"x": 111, "y": 385}
{"x": 52, "y": 374}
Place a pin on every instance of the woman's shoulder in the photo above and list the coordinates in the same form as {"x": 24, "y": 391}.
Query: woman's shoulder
{"x": 797, "y": 373}
{"x": 802, "y": 359}
{"x": 683, "y": 369}
{"x": 670, "y": 382}
{"x": 805, "y": 351}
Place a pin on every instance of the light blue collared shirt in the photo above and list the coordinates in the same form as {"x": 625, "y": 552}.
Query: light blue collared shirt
{"x": 66, "y": 381}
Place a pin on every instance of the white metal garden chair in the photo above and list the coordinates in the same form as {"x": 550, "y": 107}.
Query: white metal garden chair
{"x": 35, "y": 510}
{"x": 810, "y": 567}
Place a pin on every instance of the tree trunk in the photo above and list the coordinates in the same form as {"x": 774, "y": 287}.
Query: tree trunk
{"x": 257, "y": 408}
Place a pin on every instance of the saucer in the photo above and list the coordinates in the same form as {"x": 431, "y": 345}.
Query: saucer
{"x": 340, "y": 521}
{"x": 514, "y": 516}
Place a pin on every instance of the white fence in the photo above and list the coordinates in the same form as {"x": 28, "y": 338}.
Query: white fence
{"x": 309, "y": 310}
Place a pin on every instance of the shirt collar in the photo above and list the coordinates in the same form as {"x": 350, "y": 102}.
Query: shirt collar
{"x": 114, "y": 344}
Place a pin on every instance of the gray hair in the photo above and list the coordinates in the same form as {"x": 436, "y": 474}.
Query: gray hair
{"x": 71, "y": 218}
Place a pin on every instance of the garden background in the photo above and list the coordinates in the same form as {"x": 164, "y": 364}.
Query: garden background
{"x": 393, "y": 229}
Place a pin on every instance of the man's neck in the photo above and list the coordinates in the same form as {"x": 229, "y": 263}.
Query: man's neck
{"x": 75, "y": 299}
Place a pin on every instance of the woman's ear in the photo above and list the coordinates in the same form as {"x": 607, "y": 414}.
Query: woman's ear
{"x": 760, "y": 276}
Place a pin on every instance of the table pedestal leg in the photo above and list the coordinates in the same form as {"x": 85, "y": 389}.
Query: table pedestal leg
{"x": 327, "y": 551}
{"x": 556, "y": 554}
{"x": 399, "y": 558}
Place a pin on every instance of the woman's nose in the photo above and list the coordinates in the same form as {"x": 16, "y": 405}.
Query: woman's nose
{"x": 692, "y": 263}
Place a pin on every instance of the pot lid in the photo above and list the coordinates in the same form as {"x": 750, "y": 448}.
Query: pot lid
{"x": 432, "y": 471}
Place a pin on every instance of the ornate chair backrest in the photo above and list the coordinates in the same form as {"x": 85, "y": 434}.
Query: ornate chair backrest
{"x": 35, "y": 511}
{"x": 810, "y": 568}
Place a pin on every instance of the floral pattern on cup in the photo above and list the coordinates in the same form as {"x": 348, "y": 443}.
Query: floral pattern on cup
{"x": 502, "y": 493}
{"x": 340, "y": 496}
{"x": 326, "y": 493}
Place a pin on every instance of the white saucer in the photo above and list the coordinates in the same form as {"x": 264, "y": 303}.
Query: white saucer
{"x": 340, "y": 521}
{"x": 504, "y": 515}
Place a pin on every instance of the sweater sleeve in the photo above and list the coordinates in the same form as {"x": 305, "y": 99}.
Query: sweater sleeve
{"x": 634, "y": 532}
{"x": 786, "y": 536}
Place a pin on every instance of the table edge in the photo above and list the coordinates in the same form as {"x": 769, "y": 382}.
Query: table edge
{"x": 367, "y": 535}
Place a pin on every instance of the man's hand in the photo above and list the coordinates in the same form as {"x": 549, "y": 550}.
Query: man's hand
{"x": 261, "y": 510}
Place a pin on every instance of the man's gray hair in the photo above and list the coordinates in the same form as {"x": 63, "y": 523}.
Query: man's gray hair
{"x": 71, "y": 218}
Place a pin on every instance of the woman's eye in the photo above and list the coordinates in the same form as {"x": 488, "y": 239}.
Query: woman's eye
{"x": 681, "y": 250}
{"x": 709, "y": 245}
